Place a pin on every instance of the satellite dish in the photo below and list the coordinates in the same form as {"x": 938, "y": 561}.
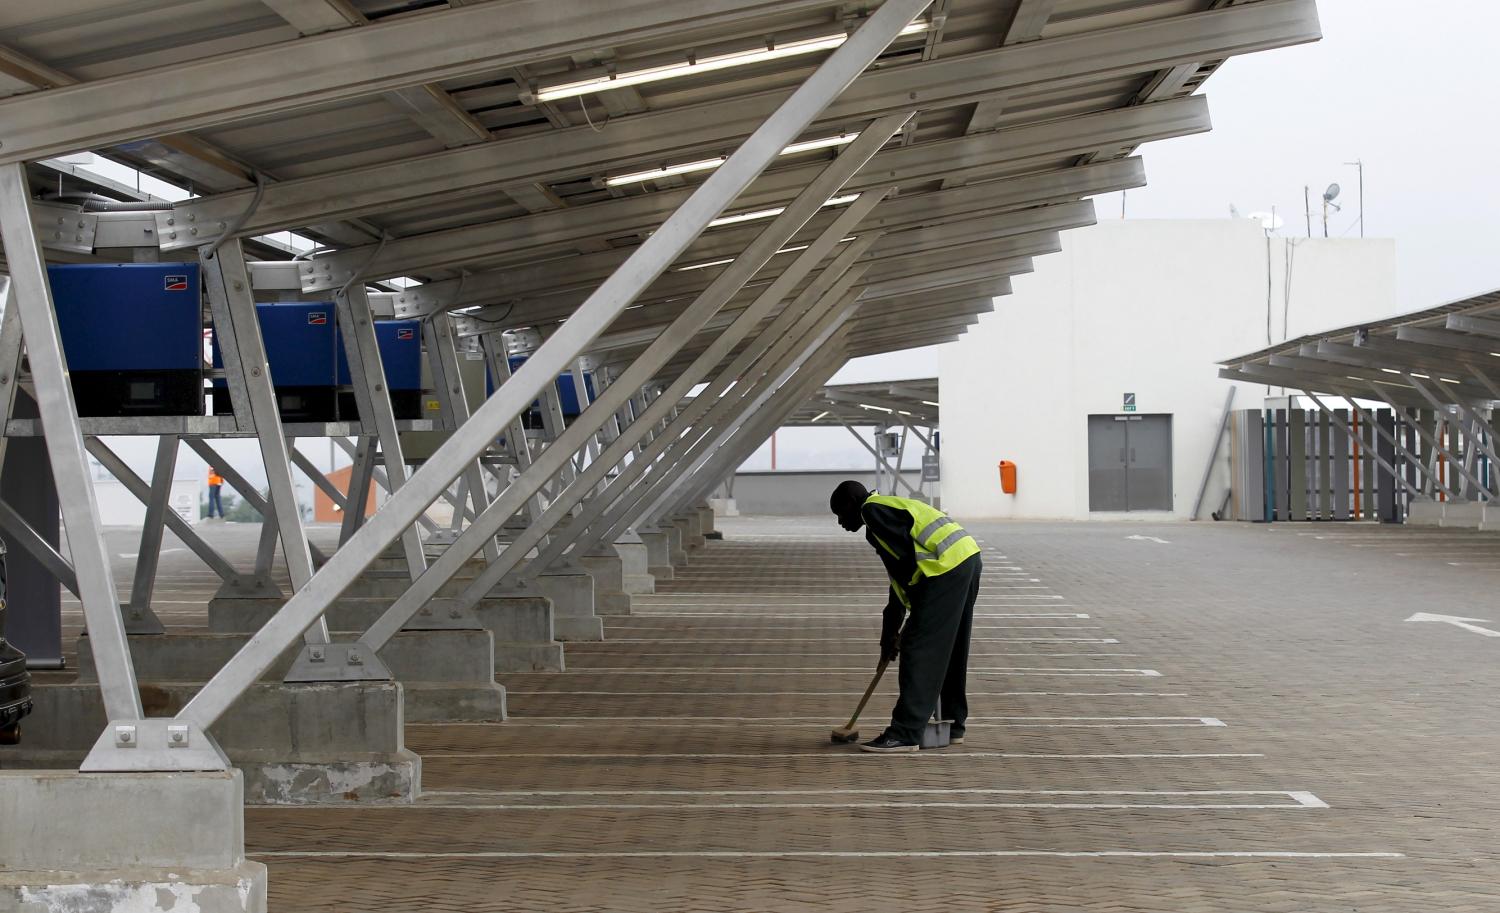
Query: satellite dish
{"x": 1269, "y": 221}
{"x": 1331, "y": 193}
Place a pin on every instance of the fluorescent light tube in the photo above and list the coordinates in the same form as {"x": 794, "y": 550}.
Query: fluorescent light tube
{"x": 775, "y": 211}
{"x": 605, "y": 82}
{"x": 636, "y": 177}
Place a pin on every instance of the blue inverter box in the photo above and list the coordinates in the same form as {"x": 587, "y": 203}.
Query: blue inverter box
{"x": 301, "y": 341}
{"x": 401, "y": 355}
{"x": 567, "y": 396}
{"x": 133, "y": 336}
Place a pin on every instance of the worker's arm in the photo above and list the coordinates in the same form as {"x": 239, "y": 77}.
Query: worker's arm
{"x": 889, "y": 531}
{"x": 890, "y": 626}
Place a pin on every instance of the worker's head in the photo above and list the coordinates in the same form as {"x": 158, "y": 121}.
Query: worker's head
{"x": 846, "y": 502}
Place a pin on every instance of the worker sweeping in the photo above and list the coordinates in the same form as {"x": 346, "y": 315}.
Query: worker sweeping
{"x": 934, "y": 568}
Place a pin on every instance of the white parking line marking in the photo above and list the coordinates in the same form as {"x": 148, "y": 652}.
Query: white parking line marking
{"x": 833, "y": 754}
{"x": 799, "y": 655}
{"x": 821, "y": 853}
{"x": 823, "y": 640}
{"x": 730, "y": 723}
{"x": 752, "y": 670}
{"x": 870, "y": 614}
{"x": 512, "y": 693}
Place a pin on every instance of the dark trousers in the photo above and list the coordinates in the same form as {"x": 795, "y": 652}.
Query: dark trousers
{"x": 215, "y": 502}
{"x": 935, "y": 651}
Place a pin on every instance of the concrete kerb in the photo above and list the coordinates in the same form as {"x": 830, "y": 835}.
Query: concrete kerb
{"x": 127, "y": 841}
{"x": 446, "y": 676}
{"x": 325, "y": 743}
{"x": 522, "y": 626}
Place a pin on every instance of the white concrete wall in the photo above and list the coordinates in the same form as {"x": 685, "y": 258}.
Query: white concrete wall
{"x": 805, "y": 493}
{"x": 1138, "y": 306}
{"x": 118, "y": 507}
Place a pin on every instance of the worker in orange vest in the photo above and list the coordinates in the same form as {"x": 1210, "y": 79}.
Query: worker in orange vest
{"x": 215, "y": 484}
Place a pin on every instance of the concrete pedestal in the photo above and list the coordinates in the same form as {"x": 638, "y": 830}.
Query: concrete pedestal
{"x": 675, "y": 550}
{"x": 725, "y": 507}
{"x": 658, "y": 552}
{"x": 522, "y": 626}
{"x": 706, "y": 517}
{"x": 608, "y": 570}
{"x": 297, "y": 744}
{"x": 572, "y": 599}
{"x": 634, "y": 567}
{"x": 390, "y": 585}
{"x": 446, "y": 676}
{"x": 118, "y": 842}
{"x": 1425, "y": 513}
{"x": 690, "y": 525}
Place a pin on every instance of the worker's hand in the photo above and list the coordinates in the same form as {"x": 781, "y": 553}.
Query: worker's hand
{"x": 890, "y": 648}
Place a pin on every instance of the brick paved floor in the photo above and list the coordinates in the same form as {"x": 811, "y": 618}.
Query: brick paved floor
{"x": 1235, "y": 719}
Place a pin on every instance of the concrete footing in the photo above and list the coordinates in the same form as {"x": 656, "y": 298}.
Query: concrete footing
{"x": 658, "y": 551}
{"x": 118, "y": 842}
{"x": 675, "y": 550}
{"x": 388, "y": 585}
{"x": 297, "y": 744}
{"x": 690, "y": 525}
{"x": 1454, "y": 514}
{"x": 635, "y": 568}
{"x": 522, "y": 625}
{"x": 572, "y": 598}
{"x": 608, "y": 570}
{"x": 446, "y": 676}
{"x": 706, "y": 516}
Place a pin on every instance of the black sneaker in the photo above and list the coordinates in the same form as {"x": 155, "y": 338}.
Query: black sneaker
{"x": 889, "y": 744}
{"x": 956, "y": 738}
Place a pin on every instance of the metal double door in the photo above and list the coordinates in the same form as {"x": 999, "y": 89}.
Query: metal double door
{"x": 1130, "y": 462}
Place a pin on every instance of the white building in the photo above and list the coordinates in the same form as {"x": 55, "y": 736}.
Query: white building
{"x": 1134, "y": 312}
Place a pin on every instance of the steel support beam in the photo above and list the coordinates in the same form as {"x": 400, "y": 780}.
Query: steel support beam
{"x": 142, "y": 492}
{"x": 795, "y": 322}
{"x": 468, "y": 441}
{"x": 556, "y": 456}
{"x": 373, "y": 400}
{"x": 336, "y": 65}
{"x": 139, "y": 618}
{"x": 227, "y": 280}
{"x": 748, "y": 432}
{"x": 31, "y": 298}
{"x": 38, "y": 547}
{"x": 676, "y": 459}
{"x": 1073, "y": 60}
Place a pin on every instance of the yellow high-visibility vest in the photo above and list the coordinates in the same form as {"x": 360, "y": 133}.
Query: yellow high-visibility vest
{"x": 941, "y": 544}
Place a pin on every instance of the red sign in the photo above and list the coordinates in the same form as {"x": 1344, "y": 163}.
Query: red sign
{"x": 317, "y": 318}
{"x": 406, "y": 334}
{"x": 176, "y": 283}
